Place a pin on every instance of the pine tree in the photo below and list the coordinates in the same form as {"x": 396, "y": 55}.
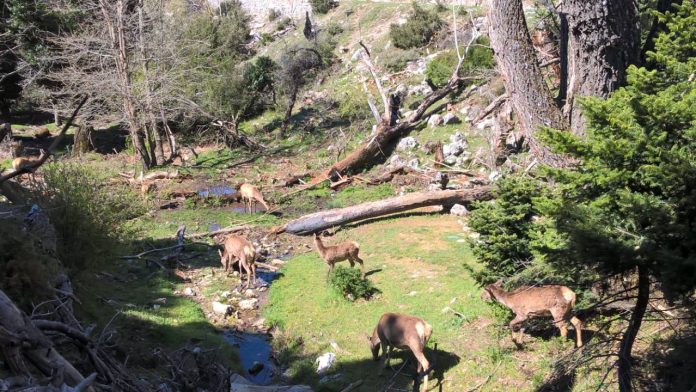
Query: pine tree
{"x": 630, "y": 202}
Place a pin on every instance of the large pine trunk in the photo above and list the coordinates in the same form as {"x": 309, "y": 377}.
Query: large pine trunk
{"x": 604, "y": 39}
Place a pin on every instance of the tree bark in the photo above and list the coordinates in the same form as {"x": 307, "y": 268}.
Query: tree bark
{"x": 519, "y": 66}
{"x": 313, "y": 223}
{"x": 83, "y": 137}
{"x": 604, "y": 39}
{"x": 629, "y": 336}
{"x": 288, "y": 112}
{"x": 155, "y": 135}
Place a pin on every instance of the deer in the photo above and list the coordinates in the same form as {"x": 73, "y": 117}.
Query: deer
{"x": 239, "y": 248}
{"x": 401, "y": 331}
{"x": 333, "y": 254}
{"x": 251, "y": 195}
{"x": 533, "y": 301}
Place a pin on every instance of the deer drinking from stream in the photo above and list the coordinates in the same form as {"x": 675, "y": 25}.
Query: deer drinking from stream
{"x": 251, "y": 195}
{"x": 402, "y": 331}
{"x": 333, "y": 254}
{"x": 243, "y": 251}
{"x": 533, "y": 301}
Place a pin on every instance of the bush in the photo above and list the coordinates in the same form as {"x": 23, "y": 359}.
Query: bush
{"x": 88, "y": 217}
{"x": 397, "y": 59}
{"x": 352, "y": 104}
{"x": 347, "y": 282}
{"x": 273, "y": 14}
{"x": 334, "y": 29}
{"x": 479, "y": 58}
{"x": 283, "y": 23}
{"x": 418, "y": 29}
{"x": 322, "y": 6}
{"x": 26, "y": 270}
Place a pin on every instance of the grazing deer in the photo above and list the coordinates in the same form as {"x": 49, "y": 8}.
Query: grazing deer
{"x": 251, "y": 195}
{"x": 401, "y": 331}
{"x": 243, "y": 251}
{"x": 333, "y": 254}
{"x": 533, "y": 301}
{"x": 21, "y": 163}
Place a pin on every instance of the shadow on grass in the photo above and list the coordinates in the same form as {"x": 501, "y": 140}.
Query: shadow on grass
{"x": 373, "y": 271}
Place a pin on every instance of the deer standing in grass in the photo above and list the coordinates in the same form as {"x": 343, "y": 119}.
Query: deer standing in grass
{"x": 533, "y": 301}
{"x": 251, "y": 195}
{"x": 333, "y": 254}
{"x": 402, "y": 331}
{"x": 243, "y": 251}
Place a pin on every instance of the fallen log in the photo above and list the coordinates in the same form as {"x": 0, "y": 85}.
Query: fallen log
{"x": 322, "y": 220}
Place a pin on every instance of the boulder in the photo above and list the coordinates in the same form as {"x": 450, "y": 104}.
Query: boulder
{"x": 453, "y": 149}
{"x": 406, "y": 144}
{"x": 451, "y": 118}
{"x": 248, "y": 304}
{"x": 459, "y": 210}
{"x": 434, "y": 120}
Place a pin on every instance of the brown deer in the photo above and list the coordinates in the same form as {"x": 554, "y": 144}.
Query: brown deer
{"x": 533, "y": 301}
{"x": 251, "y": 195}
{"x": 333, "y": 254}
{"x": 439, "y": 155}
{"x": 243, "y": 251}
{"x": 21, "y": 163}
{"x": 402, "y": 331}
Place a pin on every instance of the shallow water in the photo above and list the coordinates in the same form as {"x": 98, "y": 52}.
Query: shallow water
{"x": 217, "y": 191}
{"x": 252, "y": 348}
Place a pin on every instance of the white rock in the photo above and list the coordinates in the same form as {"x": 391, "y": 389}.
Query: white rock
{"x": 451, "y": 118}
{"x": 189, "y": 292}
{"x": 396, "y": 161}
{"x": 407, "y": 143}
{"x": 248, "y": 304}
{"x": 419, "y": 89}
{"x": 414, "y": 163}
{"x": 221, "y": 308}
{"x": 277, "y": 262}
{"x": 494, "y": 176}
{"x": 459, "y": 210}
{"x": 450, "y": 159}
{"x": 325, "y": 362}
{"x": 457, "y": 136}
{"x": 249, "y": 293}
{"x": 434, "y": 120}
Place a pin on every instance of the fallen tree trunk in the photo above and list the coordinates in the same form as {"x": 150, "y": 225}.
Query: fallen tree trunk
{"x": 313, "y": 223}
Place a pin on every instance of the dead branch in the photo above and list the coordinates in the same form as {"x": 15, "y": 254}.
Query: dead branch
{"x": 490, "y": 108}
{"x": 226, "y": 230}
{"x": 46, "y": 154}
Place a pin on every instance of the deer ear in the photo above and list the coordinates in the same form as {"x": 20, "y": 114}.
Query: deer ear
{"x": 498, "y": 283}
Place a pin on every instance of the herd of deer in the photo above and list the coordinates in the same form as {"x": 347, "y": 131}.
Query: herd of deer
{"x": 404, "y": 331}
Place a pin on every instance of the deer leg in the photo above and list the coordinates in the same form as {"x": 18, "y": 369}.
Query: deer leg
{"x": 362, "y": 266}
{"x": 383, "y": 360}
{"x": 253, "y": 272}
{"x": 246, "y": 269}
{"x": 516, "y": 321}
{"x": 423, "y": 366}
{"x": 578, "y": 330}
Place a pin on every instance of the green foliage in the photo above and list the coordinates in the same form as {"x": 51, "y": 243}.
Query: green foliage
{"x": 322, "y": 6}
{"x": 479, "y": 58}
{"x": 334, "y": 29}
{"x": 418, "y": 29}
{"x": 266, "y": 39}
{"x": 397, "y": 59}
{"x": 347, "y": 282}
{"x": 505, "y": 225}
{"x": 630, "y": 200}
{"x": 273, "y": 14}
{"x": 283, "y": 23}
{"x": 26, "y": 270}
{"x": 351, "y": 104}
{"x": 88, "y": 217}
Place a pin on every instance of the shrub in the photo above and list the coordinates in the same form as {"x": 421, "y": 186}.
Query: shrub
{"x": 283, "y": 23}
{"x": 348, "y": 282}
{"x": 352, "y": 104}
{"x": 266, "y": 39}
{"x": 322, "y": 6}
{"x": 479, "y": 58}
{"x": 334, "y": 29}
{"x": 88, "y": 217}
{"x": 418, "y": 29}
{"x": 273, "y": 14}
{"x": 397, "y": 59}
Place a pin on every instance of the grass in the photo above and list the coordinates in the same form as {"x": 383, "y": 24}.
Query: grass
{"x": 419, "y": 265}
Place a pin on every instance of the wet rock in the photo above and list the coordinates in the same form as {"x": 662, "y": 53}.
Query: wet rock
{"x": 248, "y": 304}
{"x": 221, "y": 308}
{"x": 451, "y": 118}
{"x": 406, "y": 144}
{"x": 434, "y": 120}
{"x": 459, "y": 210}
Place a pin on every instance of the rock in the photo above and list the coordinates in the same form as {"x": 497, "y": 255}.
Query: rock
{"x": 248, "y": 304}
{"x": 451, "y": 118}
{"x": 459, "y": 210}
{"x": 414, "y": 163}
{"x": 156, "y": 306}
{"x": 434, "y": 120}
{"x": 255, "y": 368}
{"x": 325, "y": 362}
{"x": 416, "y": 67}
{"x": 453, "y": 149}
{"x": 330, "y": 377}
{"x": 450, "y": 160}
{"x": 423, "y": 88}
{"x": 406, "y": 144}
{"x": 356, "y": 55}
{"x": 249, "y": 293}
{"x": 457, "y": 136}
{"x": 494, "y": 176}
{"x": 412, "y": 293}
{"x": 189, "y": 292}
{"x": 396, "y": 161}
{"x": 277, "y": 262}
{"x": 160, "y": 301}
{"x": 462, "y": 160}
{"x": 221, "y": 308}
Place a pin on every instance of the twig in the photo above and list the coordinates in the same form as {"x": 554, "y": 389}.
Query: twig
{"x": 45, "y": 154}
{"x": 393, "y": 377}
{"x": 484, "y": 382}
{"x": 490, "y": 108}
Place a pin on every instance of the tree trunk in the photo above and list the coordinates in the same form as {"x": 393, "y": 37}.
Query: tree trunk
{"x": 313, "y": 223}
{"x": 83, "y": 139}
{"x": 56, "y": 115}
{"x": 629, "y": 337}
{"x": 288, "y": 113}
{"x": 604, "y": 39}
{"x": 155, "y": 135}
{"x": 518, "y": 64}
